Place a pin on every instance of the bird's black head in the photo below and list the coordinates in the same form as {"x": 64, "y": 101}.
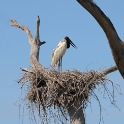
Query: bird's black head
{"x": 69, "y": 42}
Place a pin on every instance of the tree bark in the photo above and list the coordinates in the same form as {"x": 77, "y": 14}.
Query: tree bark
{"x": 76, "y": 113}
{"x": 116, "y": 44}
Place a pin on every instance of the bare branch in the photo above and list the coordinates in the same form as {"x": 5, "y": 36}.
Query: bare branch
{"x": 116, "y": 44}
{"x": 26, "y": 70}
{"x": 110, "y": 70}
{"x": 15, "y": 23}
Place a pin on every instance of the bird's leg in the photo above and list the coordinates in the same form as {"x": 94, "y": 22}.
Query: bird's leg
{"x": 59, "y": 66}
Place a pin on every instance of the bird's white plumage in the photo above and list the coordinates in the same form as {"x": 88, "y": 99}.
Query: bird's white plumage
{"x": 58, "y": 52}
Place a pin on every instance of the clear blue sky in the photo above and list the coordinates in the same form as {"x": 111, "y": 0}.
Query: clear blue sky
{"x": 58, "y": 19}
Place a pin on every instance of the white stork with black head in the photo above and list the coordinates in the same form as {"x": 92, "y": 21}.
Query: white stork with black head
{"x": 60, "y": 50}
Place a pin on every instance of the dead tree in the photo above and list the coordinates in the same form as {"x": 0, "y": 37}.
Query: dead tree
{"x": 116, "y": 44}
{"x": 68, "y": 90}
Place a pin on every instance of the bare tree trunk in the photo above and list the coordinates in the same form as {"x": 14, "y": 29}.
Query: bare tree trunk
{"x": 35, "y": 44}
{"x": 76, "y": 113}
{"x": 116, "y": 44}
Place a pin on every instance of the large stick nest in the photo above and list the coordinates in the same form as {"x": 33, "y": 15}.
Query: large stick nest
{"x": 65, "y": 88}
{"x": 62, "y": 89}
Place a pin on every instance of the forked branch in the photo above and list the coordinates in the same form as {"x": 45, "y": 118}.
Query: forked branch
{"x": 35, "y": 43}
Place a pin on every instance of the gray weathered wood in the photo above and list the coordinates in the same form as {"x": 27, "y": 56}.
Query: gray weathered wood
{"x": 35, "y": 44}
{"x": 76, "y": 113}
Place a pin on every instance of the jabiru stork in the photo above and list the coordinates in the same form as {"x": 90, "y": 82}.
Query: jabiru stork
{"x": 60, "y": 50}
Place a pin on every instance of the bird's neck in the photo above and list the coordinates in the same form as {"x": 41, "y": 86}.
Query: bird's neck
{"x": 68, "y": 44}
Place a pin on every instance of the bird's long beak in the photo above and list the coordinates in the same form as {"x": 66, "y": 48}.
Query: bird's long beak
{"x": 73, "y": 44}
